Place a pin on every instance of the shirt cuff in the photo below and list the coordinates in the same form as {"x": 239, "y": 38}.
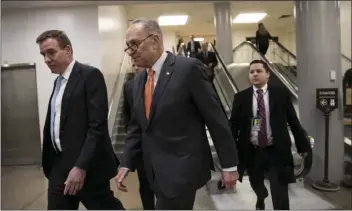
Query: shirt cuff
{"x": 121, "y": 167}
{"x": 230, "y": 169}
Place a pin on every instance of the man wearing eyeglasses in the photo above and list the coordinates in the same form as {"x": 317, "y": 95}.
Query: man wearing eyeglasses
{"x": 173, "y": 102}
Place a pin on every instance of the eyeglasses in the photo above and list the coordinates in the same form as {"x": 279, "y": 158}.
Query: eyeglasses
{"x": 134, "y": 46}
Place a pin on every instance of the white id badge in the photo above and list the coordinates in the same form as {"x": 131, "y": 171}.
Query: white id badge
{"x": 256, "y": 124}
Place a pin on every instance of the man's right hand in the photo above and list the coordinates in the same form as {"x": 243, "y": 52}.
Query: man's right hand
{"x": 229, "y": 179}
{"x": 121, "y": 175}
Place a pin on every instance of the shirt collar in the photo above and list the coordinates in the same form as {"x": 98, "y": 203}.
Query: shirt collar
{"x": 264, "y": 88}
{"x": 66, "y": 74}
{"x": 159, "y": 64}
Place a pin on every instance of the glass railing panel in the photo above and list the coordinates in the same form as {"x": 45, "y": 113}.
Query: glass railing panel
{"x": 224, "y": 84}
{"x": 118, "y": 91}
{"x": 280, "y": 53}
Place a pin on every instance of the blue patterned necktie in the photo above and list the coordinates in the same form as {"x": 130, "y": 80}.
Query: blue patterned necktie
{"x": 262, "y": 136}
{"x": 52, "y": 106}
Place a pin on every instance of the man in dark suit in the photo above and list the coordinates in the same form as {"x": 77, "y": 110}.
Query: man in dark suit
{"x": 259, "y": 124}
{"x": 168, "y": 122}
{"x": 145, "y": 192}
{"x": 193, "y": 47}
{"x": 77, "y": 158}
{"x": 209, "y": 60}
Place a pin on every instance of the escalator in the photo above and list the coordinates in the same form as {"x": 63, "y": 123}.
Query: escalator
{"x": 234, "y": 78}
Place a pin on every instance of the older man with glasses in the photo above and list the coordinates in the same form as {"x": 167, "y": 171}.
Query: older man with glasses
{"x": 173, "y": 102}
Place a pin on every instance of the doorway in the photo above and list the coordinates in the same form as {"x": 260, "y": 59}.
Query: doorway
{"x": 20, "y": 132}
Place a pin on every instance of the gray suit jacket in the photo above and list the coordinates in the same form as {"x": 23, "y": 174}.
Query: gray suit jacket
{"x": 174, "y": 143}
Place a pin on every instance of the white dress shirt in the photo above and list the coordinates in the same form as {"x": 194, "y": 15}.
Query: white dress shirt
{"x": 58, "y": 102}
{"x": 267, "y": 111}
{"x": 157, "y": 68}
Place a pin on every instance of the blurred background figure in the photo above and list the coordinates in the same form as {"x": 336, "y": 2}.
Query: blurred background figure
{"x": 262, "y": 39}
{"x": 193, "y": 47}
{"x": 209, "y": 60}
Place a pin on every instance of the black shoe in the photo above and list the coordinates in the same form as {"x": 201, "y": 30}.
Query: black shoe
{"x": 260, "y": 205}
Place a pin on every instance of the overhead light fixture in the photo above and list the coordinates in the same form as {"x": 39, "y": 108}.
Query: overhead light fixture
{"x": 107, "y": 24}
{"x": 249, "y": 17}
{"x": 172, "y": 20}
{"x": 199, "y": 39}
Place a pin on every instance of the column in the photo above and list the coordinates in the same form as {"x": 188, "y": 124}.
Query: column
{"x": 222, "y": 11}
{"x": 319, "y": 53}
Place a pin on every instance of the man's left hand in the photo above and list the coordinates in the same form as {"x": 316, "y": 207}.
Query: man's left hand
{"x": 229, "y": 179}
{"x": 74, "y": 181}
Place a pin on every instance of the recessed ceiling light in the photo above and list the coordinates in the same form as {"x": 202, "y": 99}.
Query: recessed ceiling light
{"x": 172, "y": 20}
{"x": 249, "y": 17}
{"x": 199, "y": 39}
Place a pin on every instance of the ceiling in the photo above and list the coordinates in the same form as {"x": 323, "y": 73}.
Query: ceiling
{"x": 201, "y": 15}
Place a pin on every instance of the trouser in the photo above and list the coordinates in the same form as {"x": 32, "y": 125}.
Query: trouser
{"x": 146, "y": 193}
{"x": 95, "y": 195}
{"x": 183, "y": 202}
{"x": 263, "y": 162}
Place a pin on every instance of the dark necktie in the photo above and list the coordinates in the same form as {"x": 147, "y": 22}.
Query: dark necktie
{"x": 262, "y": 136}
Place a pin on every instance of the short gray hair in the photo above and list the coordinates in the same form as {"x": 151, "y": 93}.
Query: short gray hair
{"x": 150, "y": 25}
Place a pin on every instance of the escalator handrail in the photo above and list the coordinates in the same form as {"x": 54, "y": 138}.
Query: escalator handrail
{"x": 294, "y": 56}
{"x": 232, "y": 82}
{"x": 293, "y": 88}
{"x": 346, "y": 57}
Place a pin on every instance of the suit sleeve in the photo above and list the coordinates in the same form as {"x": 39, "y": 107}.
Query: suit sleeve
{"x": 235, "y": 117}
{"x": 299, "y": 134}
{"x": 132, "y": 143}
{"x": 97, "y": 109}
{"x": 126, "y": 110}
{"x": 208, "y": 104}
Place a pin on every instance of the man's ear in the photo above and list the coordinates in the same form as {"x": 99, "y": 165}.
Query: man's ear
{"x": 68, "y": 49}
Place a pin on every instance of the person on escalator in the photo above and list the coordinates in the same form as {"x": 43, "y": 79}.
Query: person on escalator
{"x": 258, "y": 121}
{"x": 181, "y": 48}
{"x": 193, "y": 47}
{"x": 209, "y": 60}
{"x": 262, "y": 39}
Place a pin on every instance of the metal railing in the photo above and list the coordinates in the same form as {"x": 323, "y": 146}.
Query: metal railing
{"x": 117, "y": 91}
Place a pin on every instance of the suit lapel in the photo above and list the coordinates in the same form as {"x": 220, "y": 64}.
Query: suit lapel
{"x": 164, "y": 77}
{"x": 69, "y": 89}
{"x": 271, "y": 99}
{"x": 249, "y": 101}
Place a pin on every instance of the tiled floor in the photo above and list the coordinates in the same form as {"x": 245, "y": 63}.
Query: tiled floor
{"x": 25, "y": 188}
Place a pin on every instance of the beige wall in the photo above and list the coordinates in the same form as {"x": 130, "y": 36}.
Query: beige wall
{"x": 112, "y": 43}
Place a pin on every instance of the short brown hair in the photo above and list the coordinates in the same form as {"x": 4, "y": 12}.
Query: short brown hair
{"x": 58, "y": 35}
{"x": 258, "y": 61}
